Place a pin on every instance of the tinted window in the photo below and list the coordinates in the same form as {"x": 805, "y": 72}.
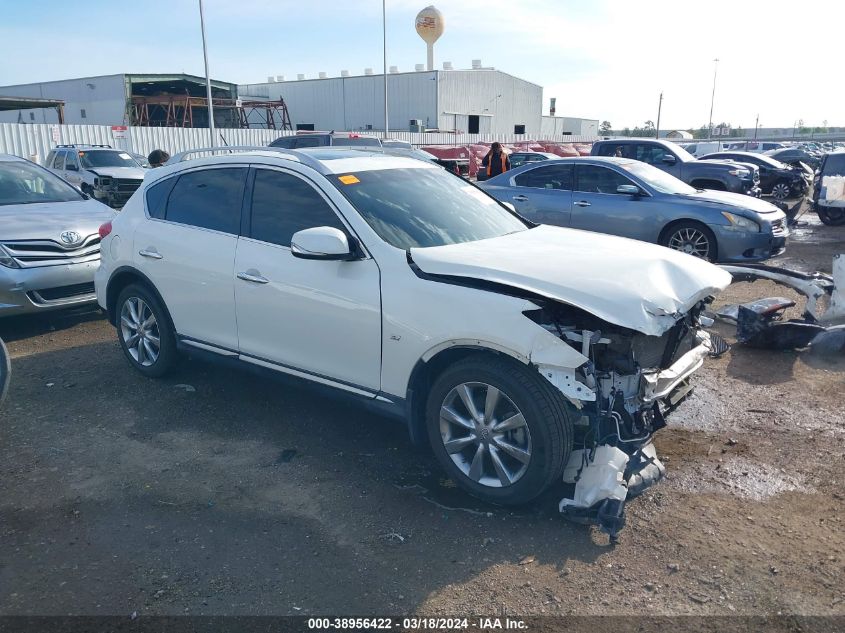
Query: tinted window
{"x": 651, "y": 154}
{"x": 419, "y": 207}
{"x": 284, "y": 141}
{"x": 210, "y": 199}
{"x": 609, "y": 149}
{"x": 593, "y": 179}
{"x": 59, "y": 161}
{"x": 24, "y": 183}
{"x": 307, "y": 141}
{"x": 547, "y": 177}
{"x": 367, "y": 141}
{"x": 157, "y": 197}
{"x": 71, "y": 159}
{"x": 834, "y": 165}
{"x": 283, "y": 204}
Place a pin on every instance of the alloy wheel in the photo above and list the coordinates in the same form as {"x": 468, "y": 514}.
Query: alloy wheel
{"x": 485, "y": 434}
{"x": 780, "y": 191}
{"x": 139, "y": 331}
{"x": 691, "y": 241}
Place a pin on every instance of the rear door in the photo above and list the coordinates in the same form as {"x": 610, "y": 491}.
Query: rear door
{"x": 187, "y": 249}
{"x": 321, "y": 318}
{"x": 542, "y": 194}
{"x": 596, "y": 205}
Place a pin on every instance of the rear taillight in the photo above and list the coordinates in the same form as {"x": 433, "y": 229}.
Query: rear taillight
{"x": 105, "y": 229}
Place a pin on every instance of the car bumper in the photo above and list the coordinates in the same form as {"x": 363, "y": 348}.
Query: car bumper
{"x": 735, "y": 246}
{"x": 42, "y": 289}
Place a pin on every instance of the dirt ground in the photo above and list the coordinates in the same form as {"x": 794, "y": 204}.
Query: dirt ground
{"x": 219, "y": 492}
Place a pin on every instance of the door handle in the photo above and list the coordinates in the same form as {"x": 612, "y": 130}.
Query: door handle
{"x": 256, "y": 279}
{"x": 520, "y": 198}
{"x": 152, "y": 254}
{"x": 583, "y": 203}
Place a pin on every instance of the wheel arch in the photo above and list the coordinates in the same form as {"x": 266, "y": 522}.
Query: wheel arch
{"x": 708, "y": 183}
{"x": 664, "y": 232}
{"x": 431, "y": 365}
{"x": 122, "y": 277}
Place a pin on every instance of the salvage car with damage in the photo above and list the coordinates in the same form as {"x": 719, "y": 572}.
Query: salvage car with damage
{"x": 524, "y": 355}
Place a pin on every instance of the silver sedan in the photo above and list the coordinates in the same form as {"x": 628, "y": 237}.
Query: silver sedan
{"x": 49, "y": 240}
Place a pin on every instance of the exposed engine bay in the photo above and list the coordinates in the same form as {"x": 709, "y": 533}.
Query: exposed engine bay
{"x": 624, "y": 393}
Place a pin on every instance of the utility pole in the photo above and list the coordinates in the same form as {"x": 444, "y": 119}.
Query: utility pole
{"x": 712, "y": 99}
{"x": 384, "y": 42}
{"x": 756, "y": 125}
{"x": 659, "y": 107}
{"x": 207, "y": 80}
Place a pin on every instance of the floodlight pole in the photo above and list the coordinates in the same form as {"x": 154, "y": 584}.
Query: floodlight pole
{"x": 659, "y": 108}
{"x": 384, "y": 42}
{"x": 713, "y": 98}
{"x": 207, "y": 80}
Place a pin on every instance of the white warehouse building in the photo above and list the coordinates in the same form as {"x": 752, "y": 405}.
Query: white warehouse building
{"x": 477, "y": 101}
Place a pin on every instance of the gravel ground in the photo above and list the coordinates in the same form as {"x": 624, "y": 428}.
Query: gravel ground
{"x": 219, "y": 492}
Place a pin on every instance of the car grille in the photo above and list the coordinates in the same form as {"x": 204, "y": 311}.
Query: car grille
{"x": 778, "y": 228}
{"x": 34, "y": 253}
{"x": 60, "y": 293}
{"x": 128, "y": 185}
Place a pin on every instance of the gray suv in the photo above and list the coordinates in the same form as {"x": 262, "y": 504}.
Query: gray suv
{"x": 675, "y": 160}
{"x": 100, "y": 171}
{"x": 49, "y": 240}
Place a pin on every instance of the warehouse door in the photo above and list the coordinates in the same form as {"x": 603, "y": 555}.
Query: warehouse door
{"x": 472, "y": 123}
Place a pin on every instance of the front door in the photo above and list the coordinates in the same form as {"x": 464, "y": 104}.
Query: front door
{"x": 71, "y": 171}
{"x": 597, "y": 206}
{"x": 318, "y": 318}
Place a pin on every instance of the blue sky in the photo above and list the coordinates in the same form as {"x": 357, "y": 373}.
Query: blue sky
{"x": 604, "y": 59}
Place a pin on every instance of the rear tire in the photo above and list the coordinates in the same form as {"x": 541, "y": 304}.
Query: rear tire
{"x": 691, "y": 237}
{"x": 831, "y": 216}
{"x": 781, "y": 190}
{"x": 144, "y": 331}
{"x": 516, "y": 441}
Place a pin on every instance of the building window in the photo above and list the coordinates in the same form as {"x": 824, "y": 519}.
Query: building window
{"x": 82, "y": 113}
{"x": 305, "y": 126}
{"x": 32, "y": 116}
{"x": 519, "y": 129}
{"x": 473, "y": 123}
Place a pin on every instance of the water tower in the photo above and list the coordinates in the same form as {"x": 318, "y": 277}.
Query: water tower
{"x": 430, "y": 25}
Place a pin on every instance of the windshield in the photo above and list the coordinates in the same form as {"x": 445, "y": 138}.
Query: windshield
{"x": 92, "y": 160}
{"x": 417, "y": 208}
{"x": 657, "y": 178}
{"x": 344, "y": 141}
{"x": 23, "y": 183}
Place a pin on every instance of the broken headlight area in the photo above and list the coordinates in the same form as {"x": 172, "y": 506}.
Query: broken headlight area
{"x": 633, "y": 382}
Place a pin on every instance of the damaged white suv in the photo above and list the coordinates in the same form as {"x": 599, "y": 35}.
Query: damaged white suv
{"x": 523, "y": 354}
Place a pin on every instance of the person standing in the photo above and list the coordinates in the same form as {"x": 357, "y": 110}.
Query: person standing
{"x": 157, "y": 158}
{"x": 496, "y": 161}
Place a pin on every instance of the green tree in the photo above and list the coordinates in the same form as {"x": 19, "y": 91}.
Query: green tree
{"x": 701, "y": 132}
{"x": 648, "y": 128}
{"x": 605, "y": 127}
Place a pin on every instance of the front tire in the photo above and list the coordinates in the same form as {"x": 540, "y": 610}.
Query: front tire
{"x": 144, "y": 331}
{"x": 500, "y": 431}
{"x": 781, "y": 190}
{"x": 692, "y": 238}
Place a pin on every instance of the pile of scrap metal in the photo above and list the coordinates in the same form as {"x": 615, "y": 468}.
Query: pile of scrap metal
{"x": 761, "y": 324}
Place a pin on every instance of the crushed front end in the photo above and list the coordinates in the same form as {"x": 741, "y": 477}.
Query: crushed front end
{"x": 626, "y": 390}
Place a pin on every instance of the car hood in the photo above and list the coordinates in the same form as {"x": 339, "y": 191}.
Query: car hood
{"x": 136, "y": 173}
{"x": 737, "y": 200}
{"x": 47, "y": 221}
{"x": 632, "y": 284}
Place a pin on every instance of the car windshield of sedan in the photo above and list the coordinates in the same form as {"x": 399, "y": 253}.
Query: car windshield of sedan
{"x": 658, "y": 179}
{"x": 92, "y": 160}
{"x": 22, "y": 183}
{"x": 417, "y": 208}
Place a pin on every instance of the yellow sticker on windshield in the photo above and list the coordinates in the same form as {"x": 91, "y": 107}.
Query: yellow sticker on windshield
{"x": 349, "y": 179}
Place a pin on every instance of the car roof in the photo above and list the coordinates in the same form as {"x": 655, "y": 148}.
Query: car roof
{"x": 12, "y": 158}
{"x": 326, "y": 160}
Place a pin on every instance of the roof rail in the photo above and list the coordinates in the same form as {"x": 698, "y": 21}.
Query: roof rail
{"x": 79, "y": 145}
{"x": 287, "y": 153}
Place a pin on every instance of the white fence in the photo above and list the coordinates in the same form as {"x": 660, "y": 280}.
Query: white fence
{"x": 36, "y": 140}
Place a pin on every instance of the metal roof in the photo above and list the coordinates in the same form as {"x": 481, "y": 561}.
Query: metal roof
{"x": 27, "y": 103}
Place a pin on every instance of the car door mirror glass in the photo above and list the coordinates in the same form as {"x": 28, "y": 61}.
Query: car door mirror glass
{"x": 321, "y": 242}
{"x": 631, "y": 190}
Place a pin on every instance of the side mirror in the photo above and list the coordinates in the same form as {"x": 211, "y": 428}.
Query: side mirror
{"x": 321, "y": 242}
{"x": 669, "y": 159}
{"x": 630, "y": 190}
{"x": 71, "y": 167}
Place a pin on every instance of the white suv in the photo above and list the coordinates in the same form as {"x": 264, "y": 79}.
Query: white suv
{"x": 515, "y": 350}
